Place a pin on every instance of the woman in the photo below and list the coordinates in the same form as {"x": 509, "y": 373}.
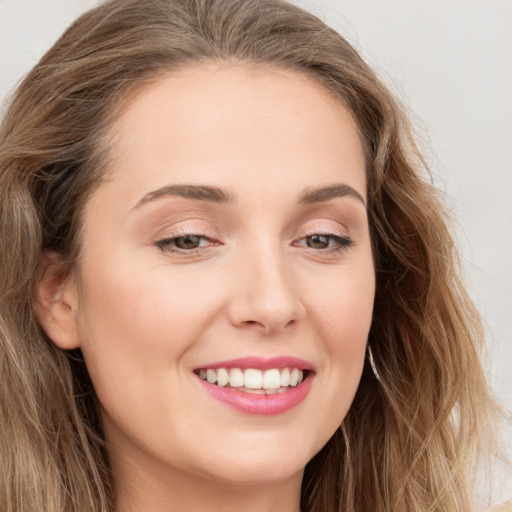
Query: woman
{"x": 233, "y": 285}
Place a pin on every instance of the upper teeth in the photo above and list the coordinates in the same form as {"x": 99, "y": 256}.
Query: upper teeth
{"x": 252, "y": 378}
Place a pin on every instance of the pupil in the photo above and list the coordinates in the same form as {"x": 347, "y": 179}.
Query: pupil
{"x": 187, "y": 242}
{"x": 318, "y": 242}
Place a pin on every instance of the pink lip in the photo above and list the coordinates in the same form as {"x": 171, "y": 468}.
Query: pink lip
{"x": 260, "y": 404}
{"x": 261, "y": 363}
{"x": 250, "y": 403}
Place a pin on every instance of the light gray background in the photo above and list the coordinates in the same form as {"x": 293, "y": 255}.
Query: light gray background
{"x": 450, "y": 62}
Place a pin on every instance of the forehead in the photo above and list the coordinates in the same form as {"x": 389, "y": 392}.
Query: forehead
{"x": 238, "y": 125}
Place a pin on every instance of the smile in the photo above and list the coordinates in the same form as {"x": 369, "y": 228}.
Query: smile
{"x": 258, "y": 386}
{"x": 253, "y": 380}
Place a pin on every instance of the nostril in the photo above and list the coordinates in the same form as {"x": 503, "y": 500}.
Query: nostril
{"x": 268, "y": 327}
{"x": 253, "y": 323}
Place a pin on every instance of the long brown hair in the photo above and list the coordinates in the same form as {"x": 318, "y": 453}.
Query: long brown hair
{"x": 409, "y": 441}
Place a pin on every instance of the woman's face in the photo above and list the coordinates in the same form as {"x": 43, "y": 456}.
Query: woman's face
{"x": 226, "y": 254}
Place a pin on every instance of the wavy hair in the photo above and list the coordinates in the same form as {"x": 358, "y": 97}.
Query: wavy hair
{"x": 409, "y": 441}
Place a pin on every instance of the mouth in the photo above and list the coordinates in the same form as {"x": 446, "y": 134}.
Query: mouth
{"x": 258, "y": 386}
{"x": 253, "y": 380}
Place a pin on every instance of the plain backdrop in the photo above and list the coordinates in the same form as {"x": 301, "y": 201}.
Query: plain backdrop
{"x": 450, "y": 62}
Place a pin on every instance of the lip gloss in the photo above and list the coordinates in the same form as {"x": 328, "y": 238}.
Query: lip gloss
{"x": 263, "y": 404}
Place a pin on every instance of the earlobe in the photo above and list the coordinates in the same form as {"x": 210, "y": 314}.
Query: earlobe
{"x": 56, "y": 301}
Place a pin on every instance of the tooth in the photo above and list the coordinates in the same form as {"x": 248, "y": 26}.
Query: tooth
{"x": 255, "y": 391}
{"x": 202, "y": 374}
{"x": 282, "y": 390}
{"x": 236, "y": 378}
{"x": 285, "y": 378}
{"x": 294, "y": 377}
{"x": 253, "y": 378}
{"x": 222, "y": 377}
{"x": 211, "y": 376}
{"x": 271, "y": 379}
{"x": 301, "y": 377}
{"x": 271, "y": 391}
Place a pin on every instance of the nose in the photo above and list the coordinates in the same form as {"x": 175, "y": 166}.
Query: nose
{"x": 265, "y": 294}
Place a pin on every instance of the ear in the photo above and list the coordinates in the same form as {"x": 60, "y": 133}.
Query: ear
{"x": 56, "y": 301}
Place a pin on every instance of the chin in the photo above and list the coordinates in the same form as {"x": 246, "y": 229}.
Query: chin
{"x": 262, "y": 472}
{"x": 260, "y": 462}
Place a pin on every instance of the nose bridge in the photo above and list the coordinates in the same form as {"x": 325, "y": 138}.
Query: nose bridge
{"x": 267, "y": 296}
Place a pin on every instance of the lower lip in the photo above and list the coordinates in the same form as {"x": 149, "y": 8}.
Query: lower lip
{"x": 265, "y": 405}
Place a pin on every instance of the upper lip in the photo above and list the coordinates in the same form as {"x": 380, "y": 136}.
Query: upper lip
{"x": 261, "y": 363}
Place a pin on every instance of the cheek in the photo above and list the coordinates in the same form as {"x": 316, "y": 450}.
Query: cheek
{"x": 138, "y": 331}
{"x": 343, "y": 310}
{"x": 343, "y": 306}
{"x": 134, "y": 323}
{"x": 130, "y": 299}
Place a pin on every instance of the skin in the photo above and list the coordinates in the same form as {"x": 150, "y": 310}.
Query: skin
{"x": 146, "y": 317}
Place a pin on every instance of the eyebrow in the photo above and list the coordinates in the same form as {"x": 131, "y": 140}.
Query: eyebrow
{"x": 213, "y": 194}
{"x": 318, "y": 195}
{"x": 200, "y": 192}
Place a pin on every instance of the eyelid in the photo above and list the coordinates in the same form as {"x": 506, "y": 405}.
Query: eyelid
{"x": 326, "y": 232}
{"x": 165, "y": 245}
{"x": 197, "y": 228}
{"x": 343, "y": 241}
{"x": 188, "y": 227}
{"x": 324, "y": 227}
{"x": 329, "y": 228}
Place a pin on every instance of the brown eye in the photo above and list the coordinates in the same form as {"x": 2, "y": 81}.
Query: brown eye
{"x": 318, "y": 241}
{"x": 186, "y": 245}
{"x": 325, "y": 243}
{"x": 188, "y": 242}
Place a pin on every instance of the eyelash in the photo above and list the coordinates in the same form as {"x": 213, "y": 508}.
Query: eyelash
{"x": 343, "y": 242}
{"x": 166, "y": 245}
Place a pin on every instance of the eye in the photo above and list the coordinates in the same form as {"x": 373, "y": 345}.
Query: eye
{"x": 325, "y": 242}
{"x": 187, "y": 243}
{"x": 318, "y": 241}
